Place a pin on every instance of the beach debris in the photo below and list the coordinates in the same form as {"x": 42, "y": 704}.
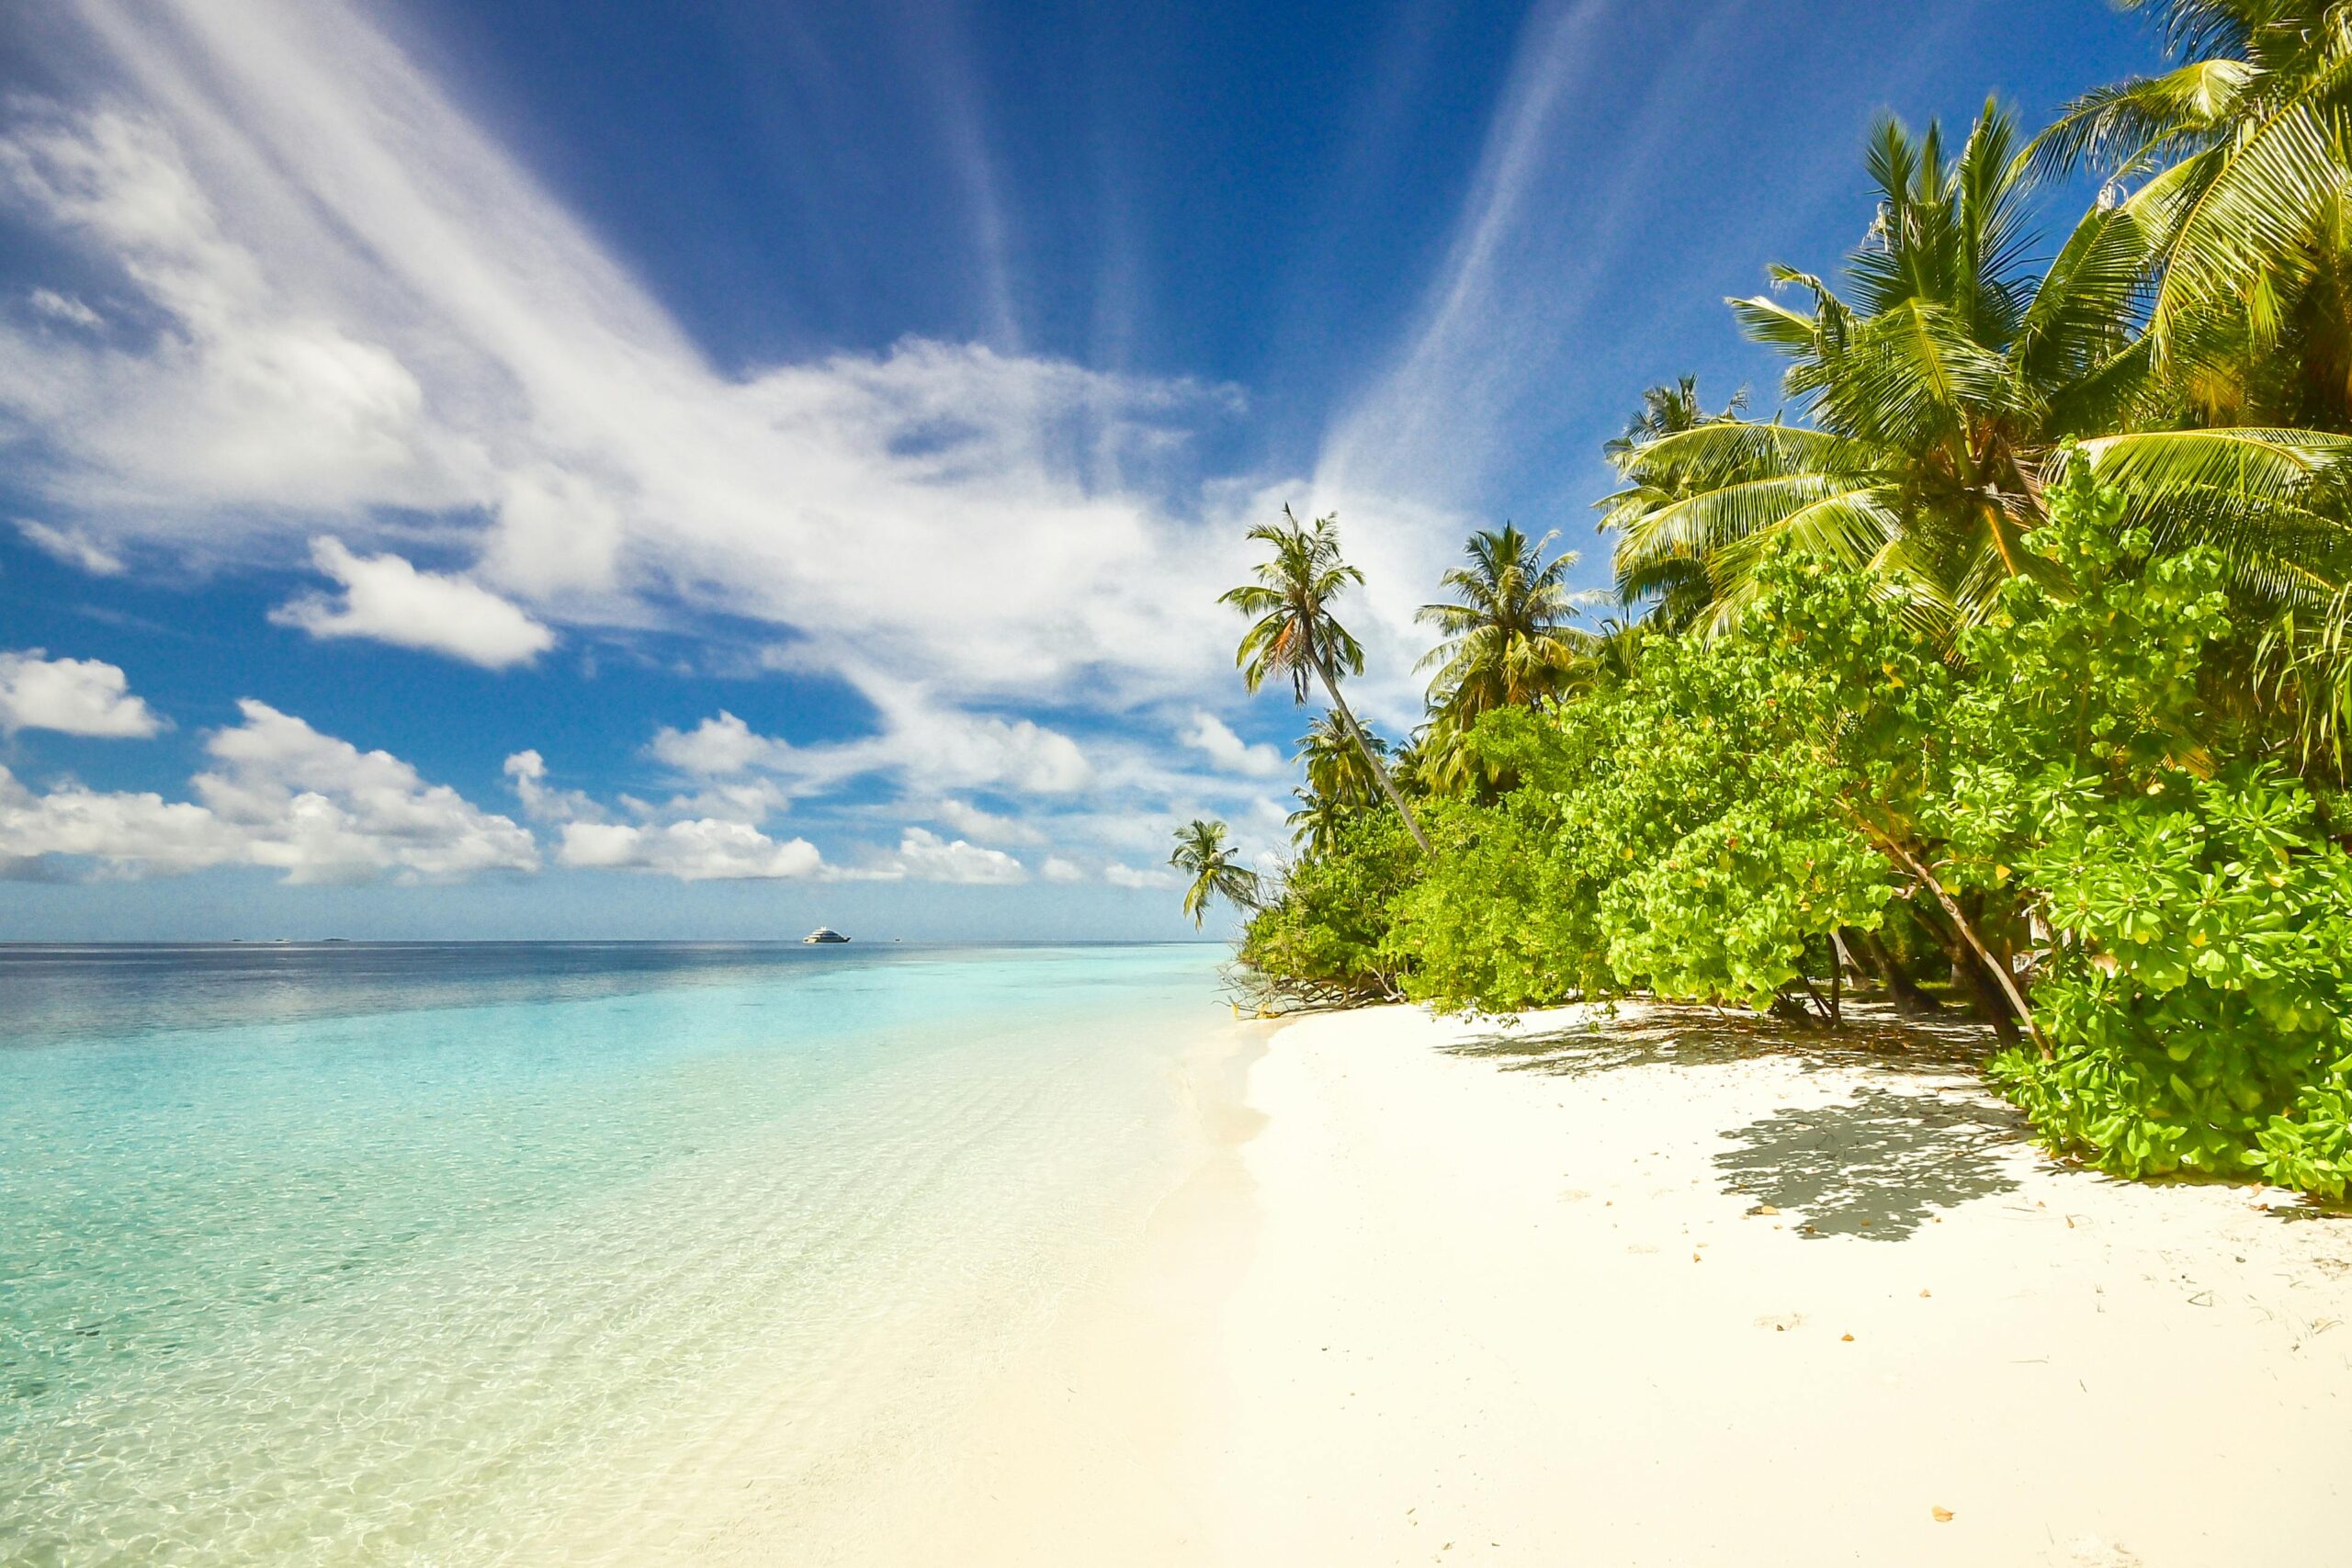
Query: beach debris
{"x": 1764, "y": 1209}
{"x": 1941, "y": 1516}
{"x": 1847, "y": 1339}
{"x": 1923, "y": 1295}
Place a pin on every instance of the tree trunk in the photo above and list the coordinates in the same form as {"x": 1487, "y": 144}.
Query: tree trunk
{"x": 1905, "y": 991}
{"x": 1989, "y": 965}
{"x": 1372, "y": 758}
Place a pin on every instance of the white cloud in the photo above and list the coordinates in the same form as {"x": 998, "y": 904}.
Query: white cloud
{"x": 1119, "y": 875}
{"x": 920, "y": 743}
{"x": 73, "y": 547}
{"x": 63, "y": 308}
{"x": 714, "y": 749}
{"x": 256, "y": 397}
{"x": 526, "y": 772}
{"x": 1210, "y": 734}
{"x": 1056, "y": 869}
{"x": 372, "y": 312}
{"x": 133, "y": 834}
{"x": 557, "y": 531}
{"x": 974, "y": 823}
{"x": 372, "y": 317}
{"x": 926, "y": 857}
{"x": 702, "y": 850}
{"x": 323, "y": 810}
{"x": 387, "y": 599}
{"x": 76, "y": 696}
{"x": 279, "y": 794}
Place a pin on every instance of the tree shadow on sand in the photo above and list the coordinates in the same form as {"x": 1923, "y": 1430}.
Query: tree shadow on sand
{"x": 1874, "y": 1166}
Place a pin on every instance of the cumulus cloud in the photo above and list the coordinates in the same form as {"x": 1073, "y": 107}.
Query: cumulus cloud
{"x": 1056, "y": 869}
{"x": 924, "y": 856}
{"x": 76, "y": 696}
{"x": 323, "y": 810}
{"x": 716, "y": 748}
{"x": 388, "y": 600}
{"x": 527, "y": 775}
{"x": 701, "y": 850}
{"x": 136, "y": 834}
{"x": 920, "y": 743}
{"x": 1209, "y": 734}
{"x": 1119, "y": 875}
{"x": 73, "y": 547}
{"x": 279, "y": 794}
{"x": 974, "y": 823}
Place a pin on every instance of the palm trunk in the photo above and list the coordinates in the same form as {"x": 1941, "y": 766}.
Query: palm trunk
{"x": 1379, "y": 769}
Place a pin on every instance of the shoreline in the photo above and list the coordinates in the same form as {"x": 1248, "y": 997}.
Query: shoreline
{"x": 1639, "y": 1294}
{"x": 1670, "y": 1289}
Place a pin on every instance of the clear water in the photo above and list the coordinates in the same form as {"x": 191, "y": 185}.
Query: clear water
{"x": 364, "y": 1254}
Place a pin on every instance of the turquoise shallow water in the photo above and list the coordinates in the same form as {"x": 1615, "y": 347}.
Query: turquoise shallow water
{"x": 451, "y": 1255}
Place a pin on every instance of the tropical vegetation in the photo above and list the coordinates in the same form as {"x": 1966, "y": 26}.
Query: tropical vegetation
{"x": 2007, "y": 666}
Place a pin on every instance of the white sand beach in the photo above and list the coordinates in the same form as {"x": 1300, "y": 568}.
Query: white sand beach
{"x": 1454, "y": 1294}
{"x": 1546, "y": 1315}
{"x": 1674, "y": 1290}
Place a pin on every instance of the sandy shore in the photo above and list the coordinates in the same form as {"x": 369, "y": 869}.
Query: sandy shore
{"x": 1662, "y": 1293}
{"x": 1552, "y": 1296}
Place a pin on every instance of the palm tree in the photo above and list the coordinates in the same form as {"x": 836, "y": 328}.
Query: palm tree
{"x": 1675, "y": 586}
{"x": 1203, "y": 855}
{"x": 1938, "y": 397}
{"x": 1293, "y": 632}
{"x": 1339, "y": 785}
{"x": 1508, "y": 641}
{"x": 2241, "y": 154}
{"x": 1669, "y": 410}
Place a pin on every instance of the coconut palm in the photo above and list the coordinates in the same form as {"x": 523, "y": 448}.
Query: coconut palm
{"x": 1203, "y": 855}
{"x": 1507, "y": 640}
{"x": 1669, "y": 410}
{"x": 1293, "y": 634}
{"x": 1938, "y": 398}
{"x": 2240, "y": 155}
{"x": 1339, "y": 785}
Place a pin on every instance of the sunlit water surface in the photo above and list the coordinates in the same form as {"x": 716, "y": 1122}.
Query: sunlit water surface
{"x": 364, "y": 1254}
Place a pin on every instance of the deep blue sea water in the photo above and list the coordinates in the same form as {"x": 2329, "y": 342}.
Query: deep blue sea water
{"x": 359, "y": 1253}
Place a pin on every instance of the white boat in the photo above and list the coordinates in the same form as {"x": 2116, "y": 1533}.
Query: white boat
{"x": 823, "y": 934}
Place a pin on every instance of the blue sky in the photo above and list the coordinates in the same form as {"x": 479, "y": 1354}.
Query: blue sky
{"x": 568, "y": 468}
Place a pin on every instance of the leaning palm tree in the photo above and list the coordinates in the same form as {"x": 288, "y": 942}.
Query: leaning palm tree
{"x": 1203, "y": 854}
{"x": 1508, "y": 639}
{"x": 1938, "y": 396}
{"x": 1292, "y": 632}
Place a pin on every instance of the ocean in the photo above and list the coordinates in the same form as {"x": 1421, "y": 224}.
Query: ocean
{"x": 458, "y": 1254}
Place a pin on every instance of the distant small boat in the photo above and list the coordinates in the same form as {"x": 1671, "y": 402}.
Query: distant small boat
{"x": 823, "y": 934}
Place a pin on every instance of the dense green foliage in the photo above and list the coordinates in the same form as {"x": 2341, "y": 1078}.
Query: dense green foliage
{"x": 2022, "y": 658}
